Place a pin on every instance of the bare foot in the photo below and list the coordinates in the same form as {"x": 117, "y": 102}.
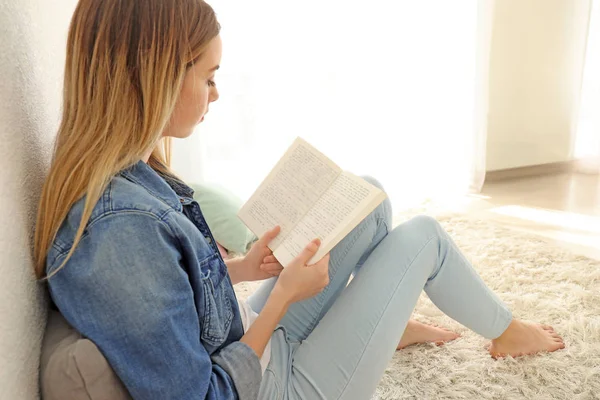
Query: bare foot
{"x": 523, "y": 338}
{"x": 417, "y": 332}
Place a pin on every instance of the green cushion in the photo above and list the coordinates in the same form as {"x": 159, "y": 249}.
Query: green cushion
{"x": 220, "y": 207}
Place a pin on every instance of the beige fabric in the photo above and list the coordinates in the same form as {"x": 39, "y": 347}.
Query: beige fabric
{"x": 73, "y": 368}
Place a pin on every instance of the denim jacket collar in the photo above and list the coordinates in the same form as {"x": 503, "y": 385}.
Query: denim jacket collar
{"x": 168, "y": 189}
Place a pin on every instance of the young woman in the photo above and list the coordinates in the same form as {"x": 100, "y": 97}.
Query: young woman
{"x": 131, "y": 264}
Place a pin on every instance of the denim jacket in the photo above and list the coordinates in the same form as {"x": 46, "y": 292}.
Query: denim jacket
{"x": 148, "y": 286}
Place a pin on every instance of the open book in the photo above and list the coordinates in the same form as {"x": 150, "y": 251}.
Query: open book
{"x": 309, "y": 197}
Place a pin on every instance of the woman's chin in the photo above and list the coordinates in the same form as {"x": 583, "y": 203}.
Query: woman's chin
{"x": 182, "y": 135}
{"x": 188, "y": 134}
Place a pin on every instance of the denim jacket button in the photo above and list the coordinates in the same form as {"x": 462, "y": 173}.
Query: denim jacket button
{"x": 181, "y": 200}
{"x": 207, "y": 239}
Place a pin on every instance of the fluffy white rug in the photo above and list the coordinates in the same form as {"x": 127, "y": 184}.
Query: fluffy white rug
{"x": 541, "y": 283}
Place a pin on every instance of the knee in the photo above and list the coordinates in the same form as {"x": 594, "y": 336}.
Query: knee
{"x": 384, "y": 210}
{"x": 426, "y": 223}
{"x": 373, "y": 181}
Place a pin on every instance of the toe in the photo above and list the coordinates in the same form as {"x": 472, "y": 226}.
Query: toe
{"x": 558, "y": 346}
{"x": 547, "y": 327}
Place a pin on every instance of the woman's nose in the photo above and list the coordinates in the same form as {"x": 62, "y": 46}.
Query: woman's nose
{"x": 214, "y": 95}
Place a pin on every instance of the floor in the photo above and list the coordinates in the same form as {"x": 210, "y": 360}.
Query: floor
{"x": 564, "y": 208}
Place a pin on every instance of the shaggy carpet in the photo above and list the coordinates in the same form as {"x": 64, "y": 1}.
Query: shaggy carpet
{"x": 539, "y": 282}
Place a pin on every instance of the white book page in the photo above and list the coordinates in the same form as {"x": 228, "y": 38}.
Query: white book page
{"x": 347, "y": 202}
{"x": 290, "y": 190}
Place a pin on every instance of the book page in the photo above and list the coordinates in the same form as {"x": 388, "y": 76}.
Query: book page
{"x": 347, "y": 202}
{"x": 290, "y": 190}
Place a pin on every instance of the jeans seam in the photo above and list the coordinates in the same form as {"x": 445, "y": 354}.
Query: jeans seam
{"x": 308, "y": 377}
{"x": 313, "y": 323}
{"x": 387, "y": 227}
{"x": 387, "y": 231}
{"x": 466, "y": 261}
{"x": 439, "y": 268}
{"x": 275, "y": 380}
{"x": 385, "y": 309}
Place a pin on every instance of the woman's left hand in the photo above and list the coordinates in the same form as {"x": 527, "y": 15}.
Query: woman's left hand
{"x": 259, "y": 263}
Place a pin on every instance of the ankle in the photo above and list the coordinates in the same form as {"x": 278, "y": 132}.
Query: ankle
{"x": 510, "y": 333}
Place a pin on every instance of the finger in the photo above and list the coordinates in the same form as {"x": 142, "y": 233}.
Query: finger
{"x": 271, "y": 269}
{"x": 271, "y": 266}
{"x": 270, "y": 235}
{"x": 325, "y": 266}
{"x": 323, "y": 262}
{"x": 309, "y": 251}
{"x": 269, "y": 259}
{"x": 272, "y": 273}
{"x": 274, "y": 265}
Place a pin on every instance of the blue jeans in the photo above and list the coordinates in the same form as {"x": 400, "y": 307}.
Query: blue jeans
{"x": 337, "y": 344}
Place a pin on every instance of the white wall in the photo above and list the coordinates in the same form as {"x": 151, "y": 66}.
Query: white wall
{"x": 587, "y": 145}
{"x": 536, "y": 64}
{"x": 32, "y": 43}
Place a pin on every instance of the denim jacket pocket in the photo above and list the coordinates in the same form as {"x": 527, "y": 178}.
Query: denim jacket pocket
{"x": 218, "y": 313}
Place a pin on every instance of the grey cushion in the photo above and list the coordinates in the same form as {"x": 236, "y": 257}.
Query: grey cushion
{"x": 73, "y": 368}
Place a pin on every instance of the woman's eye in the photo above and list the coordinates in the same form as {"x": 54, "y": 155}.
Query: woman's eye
{"x": 211, "y": 83}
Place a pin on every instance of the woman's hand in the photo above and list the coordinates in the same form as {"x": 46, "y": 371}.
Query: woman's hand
{"x": 300, "y": 281}
{"x": 297, "y": 282}
{"x": 259, "y": 263}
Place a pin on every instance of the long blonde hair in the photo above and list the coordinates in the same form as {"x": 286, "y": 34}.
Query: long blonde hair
{"x": 125, "y": 65}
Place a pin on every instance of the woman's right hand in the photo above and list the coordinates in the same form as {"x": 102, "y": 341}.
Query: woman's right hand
{"x": 299, "y": 281}
{"x": 296, "y": 282}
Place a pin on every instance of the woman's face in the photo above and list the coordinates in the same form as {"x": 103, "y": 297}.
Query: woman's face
{"x": 198, "y": 91}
